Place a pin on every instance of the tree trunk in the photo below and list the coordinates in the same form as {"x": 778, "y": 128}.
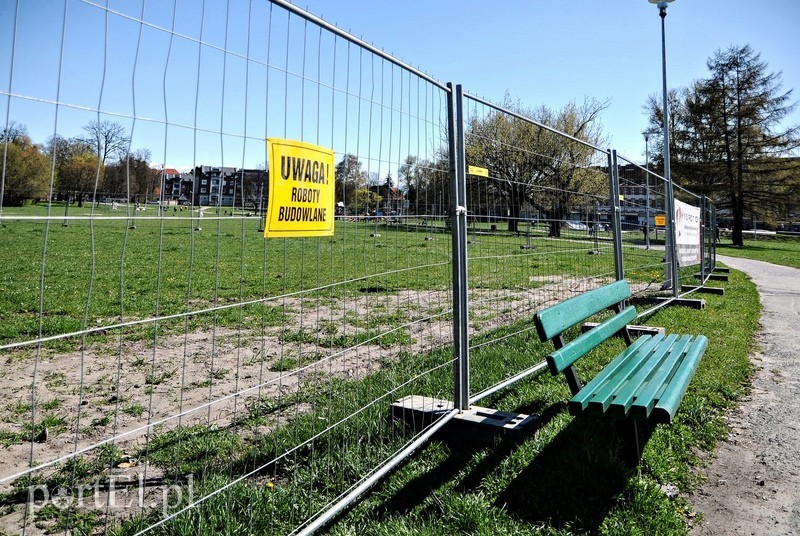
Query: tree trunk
{"x": 513, "y": 217}
{"x": 556, "y": 215}
{"x": 514, "y": 210}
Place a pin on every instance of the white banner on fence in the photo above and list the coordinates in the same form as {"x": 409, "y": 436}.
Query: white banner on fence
{"x": 687, "y": 229}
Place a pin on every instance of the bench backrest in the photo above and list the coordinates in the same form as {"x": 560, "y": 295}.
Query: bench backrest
{"x": 554, "y": 320}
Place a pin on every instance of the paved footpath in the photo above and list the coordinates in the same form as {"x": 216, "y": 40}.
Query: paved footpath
{"x": 753, "y": 485}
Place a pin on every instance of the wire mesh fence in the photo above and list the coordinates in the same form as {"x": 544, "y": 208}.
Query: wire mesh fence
{"x": 539, "y": 227}
{"x": 167, "y": 365}
{"x": 643, "y": 214}
{"x": 170, "y": 370}
{"x": 649, "y": 255}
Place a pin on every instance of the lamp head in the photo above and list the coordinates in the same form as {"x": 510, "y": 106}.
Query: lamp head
{"x": 661, "y": 4}
{"x": 662, "y": 7}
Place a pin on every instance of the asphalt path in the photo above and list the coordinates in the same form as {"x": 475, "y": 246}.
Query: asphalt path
{"x": 753, "y": 484}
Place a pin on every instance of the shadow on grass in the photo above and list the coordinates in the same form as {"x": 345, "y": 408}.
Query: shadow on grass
{"x": 572, "y": 483}
{"x": 576, "y": 480}
{"x": 463, "y": 447}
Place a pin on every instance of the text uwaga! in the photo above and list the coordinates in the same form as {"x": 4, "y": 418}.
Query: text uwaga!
{"x": 304, "y": 170}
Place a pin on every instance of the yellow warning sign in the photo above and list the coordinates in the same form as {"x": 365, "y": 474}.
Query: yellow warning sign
{"x": 301, "y": 187}
{"x": 660, "y": 220}
{"x": 475, "y": 170}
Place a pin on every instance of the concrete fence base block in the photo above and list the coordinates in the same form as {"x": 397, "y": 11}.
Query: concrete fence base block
{"x": 686, "y": 302}
{"x": 713, "y": 277}
{"x": 706, "y": 290}
{"x": 476, "y": 422}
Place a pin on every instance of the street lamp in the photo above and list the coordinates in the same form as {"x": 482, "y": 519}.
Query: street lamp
{"x": 672, "y": 269}
{"x": 261, "y": 204}
{"x": 646, "y": 135}
{"x": 66, "y": 212}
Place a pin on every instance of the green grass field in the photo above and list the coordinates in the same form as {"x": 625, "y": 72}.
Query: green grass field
{"x": 777, "y": 250}
{"x": 101, "y": 272}
{"x": 567, "y": 478}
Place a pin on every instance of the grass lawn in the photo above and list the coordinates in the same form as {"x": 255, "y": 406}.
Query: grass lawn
{"x": 566, "y": 478}
{"x": 101, "y": 271}
{"x": 777, "y": 250}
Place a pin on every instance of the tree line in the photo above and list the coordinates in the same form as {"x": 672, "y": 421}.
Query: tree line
{"x": 527, "y": 166}
{"x": 100, "y": 160}
{"x": 728, "y": 139}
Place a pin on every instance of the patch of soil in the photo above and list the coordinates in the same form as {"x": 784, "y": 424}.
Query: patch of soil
{"x": 124, "y": 391}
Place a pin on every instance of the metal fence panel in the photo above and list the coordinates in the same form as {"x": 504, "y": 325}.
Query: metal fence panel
{"x": 539, "y": 230}
{"x": 643, "y": 215}
{"x": 159, "y": 350}
{"x": 167, "y": 368}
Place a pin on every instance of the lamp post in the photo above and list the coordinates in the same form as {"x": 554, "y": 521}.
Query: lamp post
{"x": 261, "y": 204}
{"x": 646, "y": 135}
{"x": 672, "y": 269}
{"x": 66, "y": 212}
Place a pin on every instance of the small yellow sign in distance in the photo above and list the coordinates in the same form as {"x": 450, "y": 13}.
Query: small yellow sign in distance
{"x": 301, "y": 189}
{"x": 475, "y": 170}
{"x": 621, "y": 197}
{"x": 660, "y": 220}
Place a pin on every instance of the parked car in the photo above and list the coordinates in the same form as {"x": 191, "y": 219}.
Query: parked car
{"x": 574, "y": 225}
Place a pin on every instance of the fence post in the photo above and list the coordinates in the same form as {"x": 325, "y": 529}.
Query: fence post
{"x": 703, "y": 238}
{"x": 715, "y": 228}
{"x": 616, "y": 223}
{"x": 671, "y": 248}
{"x": 458, "y": 219}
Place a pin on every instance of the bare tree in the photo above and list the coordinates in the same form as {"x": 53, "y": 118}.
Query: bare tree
{"x": 107, "y": 139}
{"x": 14, "y": 132}
{"x": 522, "y": 157}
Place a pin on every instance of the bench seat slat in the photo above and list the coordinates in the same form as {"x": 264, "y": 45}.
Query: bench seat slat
{"x": 599, "y": 394}
{"x": 671, "y": 398}
{"x": 582, "y": 398}
{"x": 651, "y": 372}
{"x": 616, "y": 397}
{"x": 647, "y": 397}
{"x": 579, "y": 346}
{"x": 651, "y": 376}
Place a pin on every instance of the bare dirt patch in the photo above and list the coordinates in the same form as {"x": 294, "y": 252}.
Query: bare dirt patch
{"x": 126, "y": 391}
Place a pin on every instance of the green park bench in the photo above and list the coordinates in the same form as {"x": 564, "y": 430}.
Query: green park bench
{"x": 647, "y": 381}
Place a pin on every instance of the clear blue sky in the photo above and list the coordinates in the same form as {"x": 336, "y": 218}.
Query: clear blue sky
{"x": 553, "y": 51}
{"x": 542, "y": 52}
